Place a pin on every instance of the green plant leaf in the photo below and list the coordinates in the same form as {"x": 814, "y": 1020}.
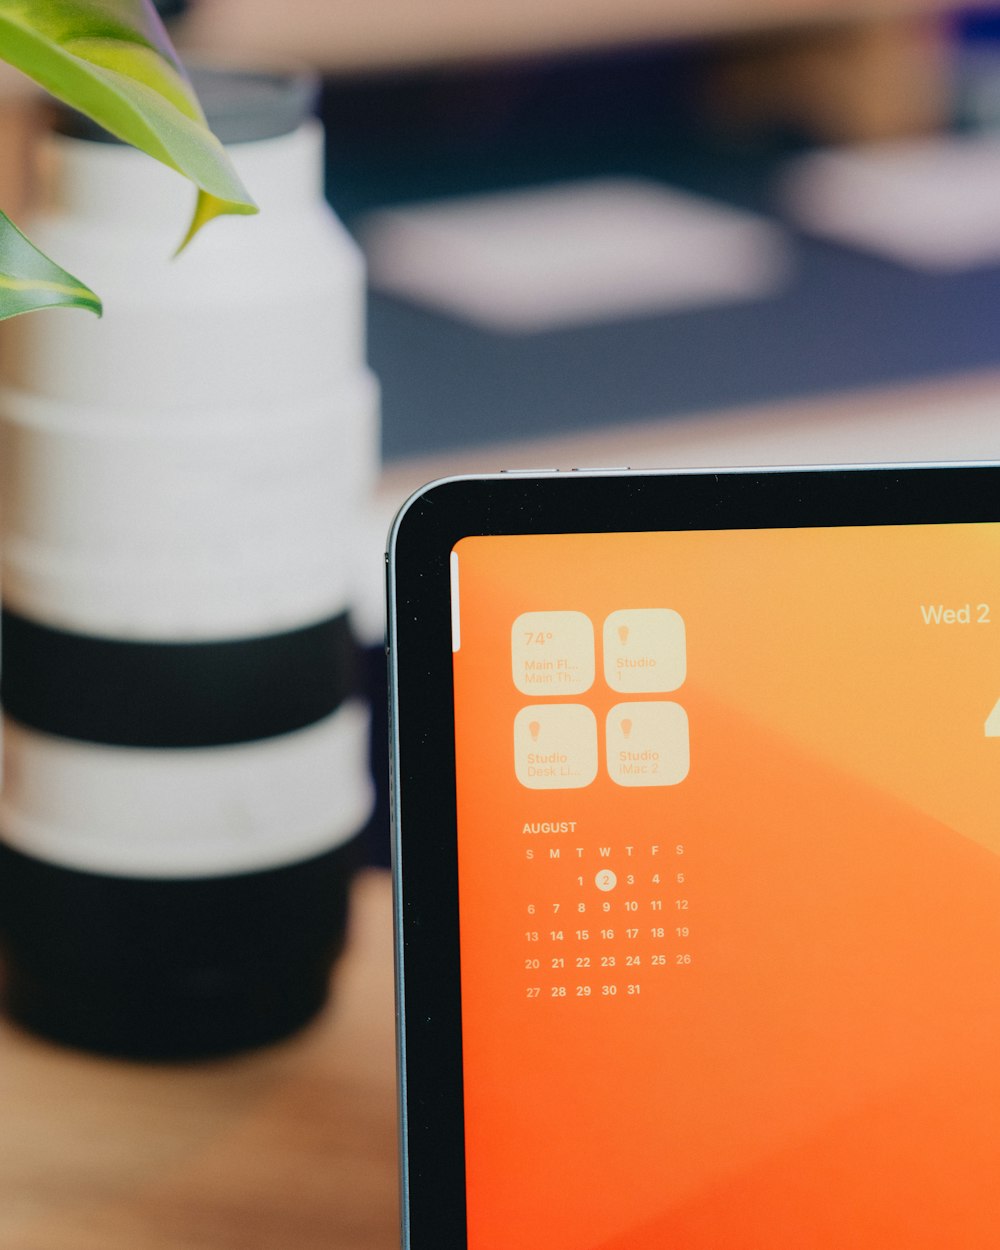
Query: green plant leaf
{"x": 112, "y": 60}
{"x": 29, "y": 280}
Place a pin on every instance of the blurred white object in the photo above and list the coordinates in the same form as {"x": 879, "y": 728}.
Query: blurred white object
{"x": 931, "y": 204}
{"x": 573, "y": 253}
{"x": 190, "y": 465}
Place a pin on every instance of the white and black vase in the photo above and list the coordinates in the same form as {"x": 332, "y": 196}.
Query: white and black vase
{"x": 185, "y": 743}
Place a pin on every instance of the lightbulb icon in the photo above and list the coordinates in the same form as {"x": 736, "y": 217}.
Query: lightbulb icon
{"x": 626, "y": 727}
{"x": 623, "y": 634}
{"x": 534, "y": 728}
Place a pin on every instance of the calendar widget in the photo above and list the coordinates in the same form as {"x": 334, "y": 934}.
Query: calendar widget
{"x": 607, "y": 913}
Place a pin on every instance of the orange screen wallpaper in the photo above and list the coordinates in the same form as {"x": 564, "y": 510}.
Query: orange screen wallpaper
{"x": 729, "y": 888}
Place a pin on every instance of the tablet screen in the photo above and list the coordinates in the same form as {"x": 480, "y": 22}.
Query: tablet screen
{"x": 729, "y": 886}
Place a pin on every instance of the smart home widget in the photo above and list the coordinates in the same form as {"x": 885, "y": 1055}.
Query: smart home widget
{"x": 558, "y": 741}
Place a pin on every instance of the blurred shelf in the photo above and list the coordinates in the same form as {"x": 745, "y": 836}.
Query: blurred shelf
{"x": 339, "y": 35}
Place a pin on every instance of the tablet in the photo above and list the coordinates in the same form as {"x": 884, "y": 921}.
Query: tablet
{"x": 697, "y": 865}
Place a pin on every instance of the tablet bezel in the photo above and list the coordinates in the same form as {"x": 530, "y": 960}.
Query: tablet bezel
{"x": 423, "y": 535}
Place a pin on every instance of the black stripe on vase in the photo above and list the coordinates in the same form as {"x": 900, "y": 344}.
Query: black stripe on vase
{"x": 171, "y": 969}
{"x": 174, "y": 694}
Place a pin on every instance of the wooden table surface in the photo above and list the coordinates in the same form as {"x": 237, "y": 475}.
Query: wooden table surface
{"x": 289, "y": 1148}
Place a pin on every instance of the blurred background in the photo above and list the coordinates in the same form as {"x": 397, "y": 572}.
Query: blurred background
{"x": 881, "y": 272}
{"x": 433, "y": 100}
{"x": 436, "y": 101}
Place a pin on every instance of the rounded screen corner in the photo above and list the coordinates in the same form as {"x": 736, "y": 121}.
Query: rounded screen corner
{"x": 415, "y": 509}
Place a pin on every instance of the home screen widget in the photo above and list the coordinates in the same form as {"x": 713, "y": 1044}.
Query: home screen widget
{"x": 552, "y": 653}
{"x": 644, "y": 650}
{"x": 555, "y": 746}
{"x": 647, "y": 744}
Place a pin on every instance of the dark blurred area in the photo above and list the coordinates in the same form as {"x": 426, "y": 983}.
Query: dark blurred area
{"x": 849, "y": 319}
